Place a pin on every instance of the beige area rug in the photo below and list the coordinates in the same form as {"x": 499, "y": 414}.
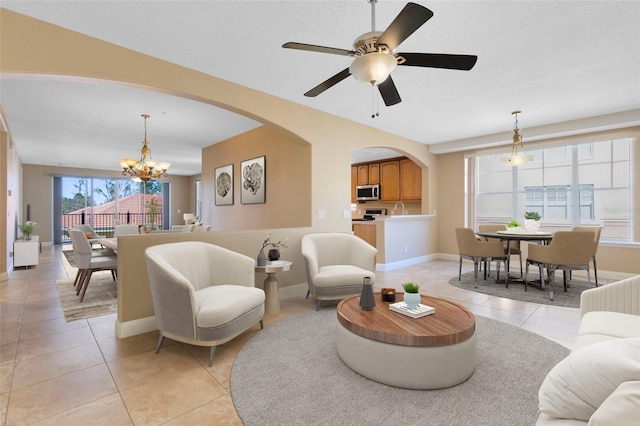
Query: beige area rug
{"x": 101, "y": 297}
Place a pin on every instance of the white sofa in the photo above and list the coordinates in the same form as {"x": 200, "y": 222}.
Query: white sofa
{"x": 599, "y": 382}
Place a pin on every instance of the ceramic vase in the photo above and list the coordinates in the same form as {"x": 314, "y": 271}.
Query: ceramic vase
{"x": 531, "y": 226}
{"x": 274, "y": 254}
{"x": 367, "y": 302}
{"x": 412, "y": 300}
{"x": 262, "y": 259}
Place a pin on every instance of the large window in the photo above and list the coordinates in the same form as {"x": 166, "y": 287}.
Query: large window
{"x": 103, "y": 203}
{"x": 586, "y": 184}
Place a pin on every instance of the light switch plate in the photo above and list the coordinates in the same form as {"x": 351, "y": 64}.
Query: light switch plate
{"x": 321, "y": 214}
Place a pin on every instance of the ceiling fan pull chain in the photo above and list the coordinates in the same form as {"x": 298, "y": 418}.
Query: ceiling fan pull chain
{"x": 375, "y": 109}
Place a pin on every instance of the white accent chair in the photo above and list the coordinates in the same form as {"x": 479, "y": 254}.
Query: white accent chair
{"x": 337, "y": 264}
{"x": 88, "y": 262}
{"x": 203, "y": 295}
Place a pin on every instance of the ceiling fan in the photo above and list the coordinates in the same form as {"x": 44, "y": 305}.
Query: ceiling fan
{"x": 375, "y": 56}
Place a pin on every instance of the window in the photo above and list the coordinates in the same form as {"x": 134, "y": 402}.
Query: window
{"x": 585, "y": 184}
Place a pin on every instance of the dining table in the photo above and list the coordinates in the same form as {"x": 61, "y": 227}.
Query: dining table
{"x": 539, "y": 237}
{"x": 110, "y": 243}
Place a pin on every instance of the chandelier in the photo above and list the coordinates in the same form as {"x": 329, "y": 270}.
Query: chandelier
{"x": 144, "y": 169}
{"x": 518, "y": 155}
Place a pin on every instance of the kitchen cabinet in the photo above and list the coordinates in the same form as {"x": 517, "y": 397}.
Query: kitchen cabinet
{"x": 410, "y": 181}
{"x": 354, "y": 183}
{"x": 363, "y": 175}
{"x": 366, "y": 231}
{"x": 390, "y": 181}
{"x": 374, "y": 174}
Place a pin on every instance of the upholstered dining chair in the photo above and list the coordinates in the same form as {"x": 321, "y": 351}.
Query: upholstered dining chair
{"x": 478, "y": 251}
{"x": 88, "y": 262}
{"x": 337, "y": 264}
{"x": 203, "y": 294}
{"x": 596, "y": 239}
{"x": 567, "y": 251}
{"x": 512, "y": 247}
{"x": 125, "y": 229}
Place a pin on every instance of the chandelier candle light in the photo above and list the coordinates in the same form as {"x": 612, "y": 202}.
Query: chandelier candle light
{"x": 144, "y": 169}
{"x": 518, "y": 155}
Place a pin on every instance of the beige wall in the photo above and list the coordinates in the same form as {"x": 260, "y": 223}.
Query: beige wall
{"x": 288, "y": 181}
{"x": 10, "y": 200}
{"x": 37, "y": 190}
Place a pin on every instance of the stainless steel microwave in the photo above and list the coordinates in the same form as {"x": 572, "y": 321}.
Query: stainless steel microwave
{"x": 367, "y": 192}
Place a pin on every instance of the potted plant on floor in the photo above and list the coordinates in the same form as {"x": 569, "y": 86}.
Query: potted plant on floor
{"x": 411, "y": 294}
{"x": 531, "y": 222}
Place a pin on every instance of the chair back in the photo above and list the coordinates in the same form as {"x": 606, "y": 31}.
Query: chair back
{"x": 336, "y": 248}
{"x": 596, "y": 230}
{"x": 81, "y": 248}
{"x": 120, "y": 230}
{"x": 468, "y": 245}
{"x": 569, "y": 248}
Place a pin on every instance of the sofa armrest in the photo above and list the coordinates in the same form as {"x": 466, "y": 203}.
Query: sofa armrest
{"x": 621, "y": 296}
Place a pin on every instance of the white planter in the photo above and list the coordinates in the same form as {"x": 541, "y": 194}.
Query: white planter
{"x": 531, "y": 226}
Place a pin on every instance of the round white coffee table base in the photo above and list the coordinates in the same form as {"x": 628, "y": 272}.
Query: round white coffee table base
{"x": 407, "y": 366}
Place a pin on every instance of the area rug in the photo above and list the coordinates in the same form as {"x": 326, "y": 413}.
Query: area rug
{"x": 290, "y": 374}
{"x": 101, "y": 297}
{"x": 570, "y": 299}
{"x": 68, "y": 254}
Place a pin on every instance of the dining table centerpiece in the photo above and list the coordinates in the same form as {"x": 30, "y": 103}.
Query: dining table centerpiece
{"x": 531, "y": 222}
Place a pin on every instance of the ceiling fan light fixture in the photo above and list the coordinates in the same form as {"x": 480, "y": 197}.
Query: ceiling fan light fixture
{"x": 373, "y": 68}
{"x": 518, "y": 155}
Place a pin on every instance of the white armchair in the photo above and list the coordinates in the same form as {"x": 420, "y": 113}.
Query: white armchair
{"x": 337, "y": 264}
{"x": 202, "y": 294}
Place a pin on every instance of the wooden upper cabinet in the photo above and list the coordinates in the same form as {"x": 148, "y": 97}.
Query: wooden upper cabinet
{"x": 374, "y": 174}
{"x": 390, "y": 181}
{"x": 354, "y": 183}
{"x": 410, "y": 181}
{"x": 363, "y": 175}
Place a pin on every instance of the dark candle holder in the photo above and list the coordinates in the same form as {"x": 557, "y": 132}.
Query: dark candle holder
{"x": 388, "y": 294}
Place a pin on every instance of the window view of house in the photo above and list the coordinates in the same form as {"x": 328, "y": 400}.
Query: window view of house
{"x": 580, "y": 185}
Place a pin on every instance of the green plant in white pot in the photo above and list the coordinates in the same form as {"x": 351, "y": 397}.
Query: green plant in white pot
{"x": 27, "y": 229}
{"x": 531, "y": 222}
{"x": 411, "y": 295}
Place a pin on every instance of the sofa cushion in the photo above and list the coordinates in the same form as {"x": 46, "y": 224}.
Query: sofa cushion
{"x": 580, "y": 383}
{"x": 599, "y": 326}
{"x": 329, "y": 276}
{"x": 621, "y": 408}
{"x": 220, "y": 304}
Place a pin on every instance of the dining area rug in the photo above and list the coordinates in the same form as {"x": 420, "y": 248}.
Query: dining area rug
{"x": 568, "y": 299}
{"x": 101, "y": 297}
{"x": 290, "y": 373}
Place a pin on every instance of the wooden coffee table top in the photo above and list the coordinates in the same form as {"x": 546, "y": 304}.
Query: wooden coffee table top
{"x": 450, "y": 324}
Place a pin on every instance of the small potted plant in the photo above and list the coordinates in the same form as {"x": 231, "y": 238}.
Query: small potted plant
{"x": 531, "y": 221}
{"x": 274, "y": 252}
{"x": 514, "y": 226}
{"x": 411, "y": 294}
{"x": 27, "y": 229}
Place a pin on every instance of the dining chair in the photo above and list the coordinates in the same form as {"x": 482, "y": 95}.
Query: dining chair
{"x": 594, "y": 249}
{"x": 90, "y": 233}
{"x": 510, "y": 247}
{"x": 479, "y": 251}
{"x": 567, "y": 251}
{"x": 87, "y": 263}
{"x": 126, "y": 230}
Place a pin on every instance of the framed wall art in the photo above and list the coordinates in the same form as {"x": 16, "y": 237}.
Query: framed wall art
{"x": 224, "y": 185}
{"x": 253, "y": 175}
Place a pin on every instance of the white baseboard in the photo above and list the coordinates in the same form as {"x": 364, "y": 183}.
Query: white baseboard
{"x": 135, "y": 327}
{"x": 403, "y": 263}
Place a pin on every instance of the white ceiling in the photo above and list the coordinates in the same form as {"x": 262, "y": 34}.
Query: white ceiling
{"x": 558, "y": 61}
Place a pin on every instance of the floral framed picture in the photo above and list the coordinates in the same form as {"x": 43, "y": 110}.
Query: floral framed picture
{"x": 253, "y": 175}
{"x": 224, "y": 185}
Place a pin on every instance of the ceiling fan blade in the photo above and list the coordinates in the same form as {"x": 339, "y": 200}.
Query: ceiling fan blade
{"x": 412, "y": 17}
{"x": 327, "y": 84}
{"x": 389, "y": 92}
{"x": 314, "y": 48}
{"x": 439, "y": 60}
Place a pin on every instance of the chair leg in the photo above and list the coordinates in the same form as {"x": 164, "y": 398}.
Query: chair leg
{"x": 84, "y": 290}
{"x": 212, "y": 352}
{"x": 475, "y": 274}
{"x": 551, "y": 271}
{"x": 526, "y": 276}
{"x": 81, "y": 282}
{"x": 307, "y": 296}
{"x": 160, "y": 340}
{"x": 262, "y": 324}
{"x": 460, "y": 269}
{"x": 520, "y": 263}
{"x": 318, "y": 306}
{"x": 498, "y": 272}
{"x": 595, "y": 269}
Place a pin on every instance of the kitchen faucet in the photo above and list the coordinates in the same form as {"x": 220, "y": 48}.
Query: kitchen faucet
{"x": 396, "y": 205}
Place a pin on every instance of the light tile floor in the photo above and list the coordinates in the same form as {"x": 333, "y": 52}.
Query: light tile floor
{"x": 77, "y": 373}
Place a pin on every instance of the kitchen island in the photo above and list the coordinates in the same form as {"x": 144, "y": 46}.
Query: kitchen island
{"x": 401, "y": 240}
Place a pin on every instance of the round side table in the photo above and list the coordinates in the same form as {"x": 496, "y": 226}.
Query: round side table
{"x": 272, "y": 299}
